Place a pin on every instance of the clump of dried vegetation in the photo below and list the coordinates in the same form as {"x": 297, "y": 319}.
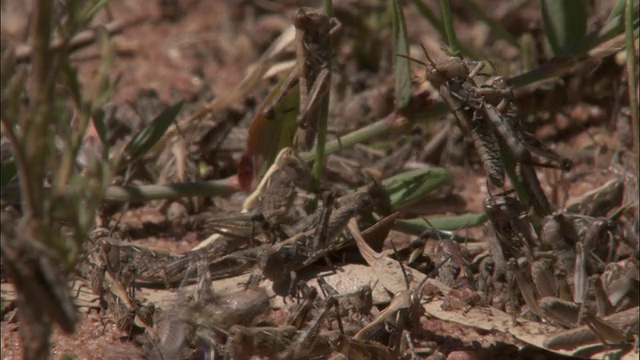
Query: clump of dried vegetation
{"x": 330, "y": 253}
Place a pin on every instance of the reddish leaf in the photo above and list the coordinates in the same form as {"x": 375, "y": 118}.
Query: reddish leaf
{"x": 268, "y": 134}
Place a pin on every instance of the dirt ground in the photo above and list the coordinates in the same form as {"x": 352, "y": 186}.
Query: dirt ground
{"x": 207, "y": 47}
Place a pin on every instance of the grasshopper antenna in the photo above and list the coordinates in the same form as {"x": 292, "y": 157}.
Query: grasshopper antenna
{"x": 412, "y": 59}
{"x": 426, "y": 54}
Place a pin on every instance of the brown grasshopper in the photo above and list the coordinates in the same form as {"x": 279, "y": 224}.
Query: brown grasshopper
{"x": 598, "y": 202}
{"x": 513, "y": 230}
{"x": 276, "y": 191}
{"x": 114, "y": 282}
{"x": 452, "y": 79}
{"x": 315, "y": 32}
{"x": 314, "y": 51}
{"x": 123, "y": 260}
{"x": 585, "y": 335}
{"x": 303, "y": 249}
{"x": 358, "y": 303}
{"x": 206, "y": 315}
{"x": 282, "y": 342}
{"x": 608, "y": 330}
{"x": 244, "y": 342}
{"x": 488, "y": 115}
{"x": 359, "y": 349}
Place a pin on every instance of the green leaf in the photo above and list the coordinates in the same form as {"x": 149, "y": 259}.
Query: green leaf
{"x": 280, "y": 128}
{"x": 496, "y": 28}
{"x": 8, "y": 172}
{"x": 143, "y": 141}
{"x": 413, "y": 185}
{"x": 565, "y": 22}
{"x": 447, "y": 20}
{"x": 328, "y": 7}
{"x": 401, "y": 71}
{"x": 91, "y": 8}
{"x": 430, "y": 16}
{"x": 632, "y": 78}
{"x": 418, "y": 225}
{"x": 101, "y": 129}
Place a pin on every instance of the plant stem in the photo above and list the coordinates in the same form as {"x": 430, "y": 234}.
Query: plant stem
{"x": 447, "y": 19}
{"x": 318, "y": 165}
{"x": 632, "y": 61}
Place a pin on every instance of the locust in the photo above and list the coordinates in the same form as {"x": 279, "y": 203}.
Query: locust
{"x": 608, "y": 330}
{"x": 143, "y": 266}
{"x": 359, "y": 349}
{"x": 315, "y": 33}
{"x": 276, "y": 191}
{"x": 513, "y": 231}
{"x": 584, "y": 335}
{"x": 114, "y": 282}
{"x": 280, "y": 342}
{"x": 353, "y": 304}
{"x": 303, "y": 249}
{"x": 314, "y": 51}
{"x": 488, "y": 115}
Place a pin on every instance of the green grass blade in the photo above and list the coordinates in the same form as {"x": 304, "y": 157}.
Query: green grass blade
{"x": 328, "y": 7}
{"x": 497, "y": 29}
{"x": 447, "y": 18}
{"x": 411, "y": 186}
{"x": 565, "y": 22}
{"x": 318, "y": 165}
{"x": 424, "y": 10}
{"x": 418, "y": 225}
{"x": 576, "y": 52}
{"x": 617, "y": 10}
{"x": 101, "y": 129}
{"x": 632, "y": 74}
{"x": 9, "y": 171}
{"x": 437, "y": 25}
{"x": 143, "y": 141}
{"x": 402, "y": 71}
{"x": 140, "y": 193}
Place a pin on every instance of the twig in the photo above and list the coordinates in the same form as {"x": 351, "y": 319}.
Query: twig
{"x": 85, "y": 38}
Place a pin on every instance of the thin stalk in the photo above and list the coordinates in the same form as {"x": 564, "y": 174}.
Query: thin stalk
{"x": 140, "y": 193}
{"x": 437, "y": 25}
{"x": 565, "y": 22}
{"x": 632, "y": 61}
{"x": 447, "y": 19}
{"x": 495, "y": 27}
{"x": 328, "y": 7}
{"x": 430, "y": 16}
{"x": 572, "y": 55}
{"x": 34, "y": 128}
{"x": 318, "y": 165}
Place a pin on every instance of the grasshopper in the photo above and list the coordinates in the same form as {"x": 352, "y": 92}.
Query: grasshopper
{"x": 359, "y": 349}
{"x": 281, "y": 342}
{"x": 510, "y": 223}
{"x": 585, "y": 335}
{"x": 488, "y": 116}
{"x": 276, "y": 191}
{"x": 315, "y": 32}
{"x": 314, "y": 51}
{"x": 606, "y": 330}
{"x": 358, "y": 303}
{"x": 303, "y": 249}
